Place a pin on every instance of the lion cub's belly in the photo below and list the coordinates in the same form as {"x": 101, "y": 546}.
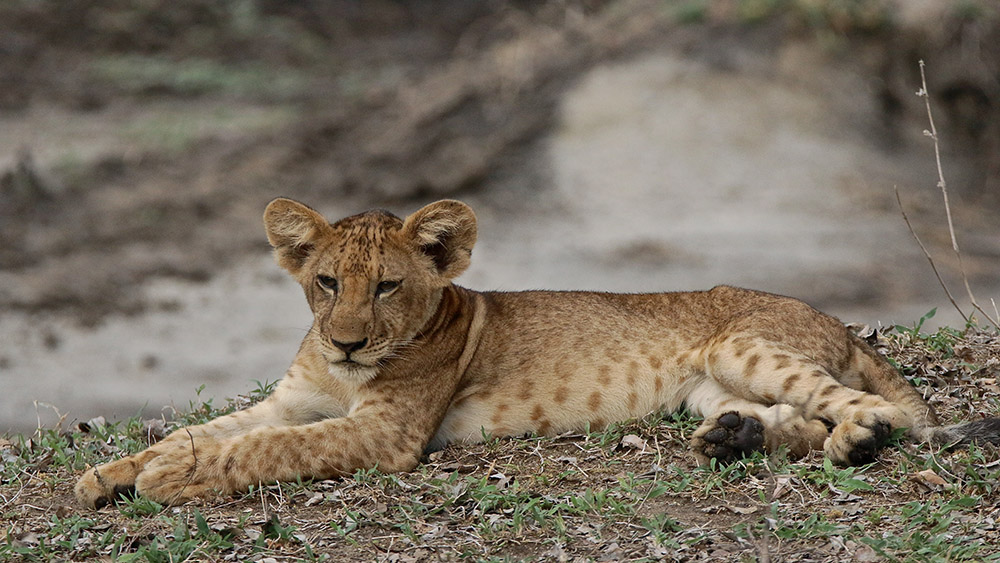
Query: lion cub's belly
{"x": 523, "y": 402}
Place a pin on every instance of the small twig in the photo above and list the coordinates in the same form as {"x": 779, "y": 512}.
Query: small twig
{"x": 38, "y": 417}
{"x": 928, "y": 255}
{"x": 192, "y": 470}
{"x": 263, "y": 501}
{"x": 947, "y": 206}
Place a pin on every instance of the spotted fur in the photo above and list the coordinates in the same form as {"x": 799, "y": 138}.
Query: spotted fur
{"x": 400, "y": 360}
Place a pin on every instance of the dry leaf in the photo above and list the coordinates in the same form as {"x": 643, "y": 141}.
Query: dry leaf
{"x": 634, "y": 442}
{"x": 929, "y": 479}
{"x": 865, "y": 553}
{"x": 155, "y": 429}
{"x": 782, "y": 486}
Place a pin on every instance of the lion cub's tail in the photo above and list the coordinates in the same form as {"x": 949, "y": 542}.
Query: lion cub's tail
{"x": 882, "y": 378}
{"x": 984, "y": 431}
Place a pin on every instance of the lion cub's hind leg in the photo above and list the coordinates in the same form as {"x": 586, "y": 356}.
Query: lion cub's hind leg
{"x": 734, "y": 428}
{"x": 758, "y": 370}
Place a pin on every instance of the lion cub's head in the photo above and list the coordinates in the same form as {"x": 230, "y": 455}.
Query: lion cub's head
{"x": 372, "y": 280}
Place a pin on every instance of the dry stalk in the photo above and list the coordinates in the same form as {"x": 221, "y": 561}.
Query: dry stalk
{"x": 932, "y": 133}
{"x": 927, "y": 254}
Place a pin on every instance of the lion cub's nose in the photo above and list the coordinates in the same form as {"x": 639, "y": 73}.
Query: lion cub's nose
{"x": 348, "y": 347}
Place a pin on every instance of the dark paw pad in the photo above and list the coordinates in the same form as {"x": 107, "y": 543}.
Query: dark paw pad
{"x": 734, "y": 438}
{"x": 125, "y": 492}
{"x": 866, "y": 451}
{"x": 121, "y": 492}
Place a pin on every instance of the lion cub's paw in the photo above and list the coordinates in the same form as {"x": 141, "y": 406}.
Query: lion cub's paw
{"x": 858, "y": 439}
{"x": 728, "y": 438}
{"x": 183, "y": 472}
{"x": 105, "y": 484}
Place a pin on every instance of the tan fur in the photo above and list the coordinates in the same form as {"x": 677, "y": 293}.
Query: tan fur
{"x": 389, "y": 370}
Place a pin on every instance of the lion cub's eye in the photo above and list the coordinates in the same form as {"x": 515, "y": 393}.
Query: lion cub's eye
{"x": 327, "y": 282}
{"x": 386, "y": 287}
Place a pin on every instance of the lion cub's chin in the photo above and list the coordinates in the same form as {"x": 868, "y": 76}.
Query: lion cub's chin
{"x": 352, "y": 372}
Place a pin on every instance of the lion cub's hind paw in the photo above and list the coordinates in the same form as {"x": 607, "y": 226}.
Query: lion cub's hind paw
{"x": 853, "y": 443}
{"x": 728, "y": 438}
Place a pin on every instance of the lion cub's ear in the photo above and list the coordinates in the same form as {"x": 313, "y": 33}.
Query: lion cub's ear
{"x": 446, "y": 231}
{"x": 293, "y": 229}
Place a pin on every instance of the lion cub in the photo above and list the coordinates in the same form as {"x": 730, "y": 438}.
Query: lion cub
{"x": 399, "y": 360}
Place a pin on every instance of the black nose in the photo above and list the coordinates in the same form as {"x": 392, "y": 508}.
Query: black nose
{"x": 348, "y": 347}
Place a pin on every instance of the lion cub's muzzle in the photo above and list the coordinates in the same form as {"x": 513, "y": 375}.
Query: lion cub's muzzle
{"x": 350, "y": 353}
{"x": 348, "y": 347}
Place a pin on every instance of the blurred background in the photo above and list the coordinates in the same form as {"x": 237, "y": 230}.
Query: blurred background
{"x": 617, "y": 145}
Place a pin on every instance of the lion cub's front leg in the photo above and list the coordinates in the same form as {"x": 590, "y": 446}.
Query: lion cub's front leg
{"x": 324, "y": 449}
{"x": 106, "y": 483}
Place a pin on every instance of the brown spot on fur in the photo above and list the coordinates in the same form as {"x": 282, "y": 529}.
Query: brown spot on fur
{"x": 537, "y": 413}
{"x": 543, "y": 426}
{"x": 682, "y": 359}
{"x": 781, "y": 361}
{"x": 817, "y": 373}
{"x": 741, "y": 346}
{"x": 603, "y": 375}
{"x": 643, "y": 348}
{"x": 790, "y": 382}
{"x": 498, "y": 414}
{"x": 854, "y": 401}
{"x": 658, "y": 384}
{"x": 828, "y": 390}
{"x": 713, "y": 357}
{"x": 655, "y": 362}
{"x": 633, "y": 372}
{"x": 633, "y": 399}
{"x": 822, "y": 406}
{"x": 561, "y": 393}
{"x": 751, "y": 365}
{"x": 769, "y": 398}
{"x": 594, "y": 401}
{"x": 526, "y": 386}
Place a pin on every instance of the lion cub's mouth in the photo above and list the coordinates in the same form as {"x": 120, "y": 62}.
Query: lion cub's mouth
{"x": 352, "y": 370}
{"x": 348, "y": 363}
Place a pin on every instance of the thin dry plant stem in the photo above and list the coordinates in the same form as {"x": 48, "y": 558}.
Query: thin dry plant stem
{"x": 927, "y": 254}
{"x": 947, "y": 206}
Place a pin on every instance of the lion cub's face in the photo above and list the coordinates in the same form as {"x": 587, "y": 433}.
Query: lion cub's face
{"x": 372, "y": 280}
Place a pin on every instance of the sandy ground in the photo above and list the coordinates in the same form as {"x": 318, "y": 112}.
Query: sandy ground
{"x": 662, "y": 174}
